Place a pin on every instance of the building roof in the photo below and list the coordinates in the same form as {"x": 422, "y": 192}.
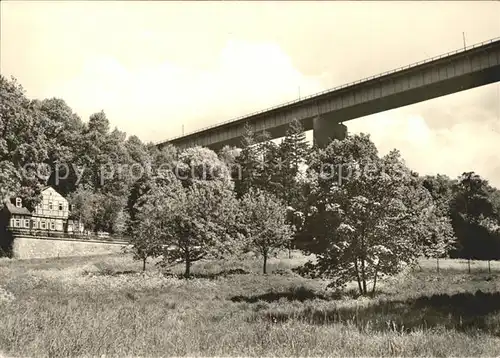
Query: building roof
{"x": 11, "y": 208}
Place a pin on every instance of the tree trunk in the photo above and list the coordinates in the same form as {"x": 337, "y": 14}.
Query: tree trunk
{"x": 468, "y": 263}
{"x": 264, "y": 267}
{"x": 437, "y": 264}
{"x": 187, "y": 272}
{"x": 144, "y": 264}
{"x": 363, "y": 263}
{"x": 375, "y": 281}
{"x": 363, "y": 275}
{"x": 187, "y": 260}
{"x": 489, "y": 266}
{"x": 357, "y": 276}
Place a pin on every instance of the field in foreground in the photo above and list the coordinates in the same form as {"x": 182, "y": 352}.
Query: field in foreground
{"x": 104, "y": 305}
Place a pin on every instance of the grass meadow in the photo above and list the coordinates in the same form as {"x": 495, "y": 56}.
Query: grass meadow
{"x": 104, "y": 305}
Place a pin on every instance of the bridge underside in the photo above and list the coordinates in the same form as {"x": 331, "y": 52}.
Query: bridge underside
{"x": 323, "y": 113}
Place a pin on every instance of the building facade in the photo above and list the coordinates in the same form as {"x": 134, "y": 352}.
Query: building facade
{"x": 52, "y": 212}
{"x": 15, "y": 215}
{"x": 50, "y": 215}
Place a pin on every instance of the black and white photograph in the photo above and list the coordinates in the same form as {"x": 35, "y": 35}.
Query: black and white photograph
{"x": 249, "y": 178}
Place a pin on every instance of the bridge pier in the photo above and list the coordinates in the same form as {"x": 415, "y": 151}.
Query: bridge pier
{"x": 476, "y": 66}
{"x": 326, "y": 130}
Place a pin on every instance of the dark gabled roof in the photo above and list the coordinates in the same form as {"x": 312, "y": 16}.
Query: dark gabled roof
{"x": 15, "y": 210}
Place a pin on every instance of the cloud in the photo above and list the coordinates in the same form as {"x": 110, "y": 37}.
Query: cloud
{"x": 448, "y": 135}
{"x": 468, "y": 142}
{"x": 152, "y": 71}
{"x": 247, "y": 77}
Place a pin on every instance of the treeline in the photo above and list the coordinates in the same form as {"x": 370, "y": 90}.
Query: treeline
{"x": 364, "y": 215}
{"x": 473, "y": 207}
{"x": 46, "y": 143}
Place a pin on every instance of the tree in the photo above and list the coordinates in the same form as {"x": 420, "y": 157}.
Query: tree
{"x": 63, "y": 130}
{"x": 229, "y": 156}
{"x": 491, "y": 247}
{"x": 140, "y": 188}
{"x": 83, "y": 202}
{"x": 98, "y": 211}
{"x": 117, "y": 174}
{"x": 495, "y": 201}
{"x": 162, "y": 164}
{"x": 268, "y": 171}
{"x": 471, "y": 198}
{"x": 164, "y": 158}
{"x": 148, "y": 196}
{"x": 442, "y": 239}
{"x": 137, "y": 151}
{"x": 10, "y": 180}
{"x": 199, "y": 163}
{"x": 441, "y": 189}
{"x": 248, "y": 162}
{"x": 146, "y": 236}
{"x": 264, "y": 220}
{"x": 193, "y": 207}
{"x": 293, "y": 152}
{"x": 198, "y": 222}
{"x": 93, "y": 157}
{"x": 23, "y": 142}
{"x": 373, "y": 213}
{"x": 493, "y": 226}
{"x": 108, "y": 213}
{"x": 472, "y": 212}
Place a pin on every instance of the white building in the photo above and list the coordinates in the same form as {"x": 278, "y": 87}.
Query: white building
{"x": 50, "y": 215}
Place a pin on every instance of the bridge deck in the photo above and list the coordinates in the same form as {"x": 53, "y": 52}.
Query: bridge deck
{"x": 451, "y": 72}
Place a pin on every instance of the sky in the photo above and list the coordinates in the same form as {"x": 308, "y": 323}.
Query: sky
{"x": 158, "y": 67}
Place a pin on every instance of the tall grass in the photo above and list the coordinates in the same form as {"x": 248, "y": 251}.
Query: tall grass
{"x": 105, "y": 306}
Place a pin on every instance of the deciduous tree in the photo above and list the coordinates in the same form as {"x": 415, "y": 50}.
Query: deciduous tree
{"x": 473, "y": 214}
{"x": 264, "y": 223}
{"x": 249, "y": 162}
{"x": 200, "y": 163}
{"x": 373, "y": 212}
{"x": 199, "y": 222}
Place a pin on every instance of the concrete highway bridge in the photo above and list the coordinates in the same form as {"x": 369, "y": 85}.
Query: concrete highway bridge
{"x": 456, "y": 71}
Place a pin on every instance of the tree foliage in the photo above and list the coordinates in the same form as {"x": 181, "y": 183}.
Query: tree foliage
{"x": 193, "y": 218}
{"x": 294, "y": 153}
{"x": 248, "y": 162}
{"x": 363, "y": 215}
{"x": 370, "y": 216}
{"x": 264, "y": 223}
{"x": 199, "y": 163}
{"x": 199, "y": 223}
{"x": 474, "y": 216}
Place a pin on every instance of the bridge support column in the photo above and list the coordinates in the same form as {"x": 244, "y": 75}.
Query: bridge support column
{"x": 326, "y": 130}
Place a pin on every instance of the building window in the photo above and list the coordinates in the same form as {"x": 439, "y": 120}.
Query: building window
{"x": 27, "y": 223}
{"x": 52, "y": 226}
{"x": 34, "y": 224}
{"x": 50, "y": 205}
{"x": 43, "y": 225}
{"x": 17, "y": 223}
{"x": 19, "y": 202}
{"x": 60, "y": 207}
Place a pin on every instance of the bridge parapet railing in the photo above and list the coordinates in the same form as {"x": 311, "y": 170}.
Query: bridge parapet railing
{"x": 430, "y": 59}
